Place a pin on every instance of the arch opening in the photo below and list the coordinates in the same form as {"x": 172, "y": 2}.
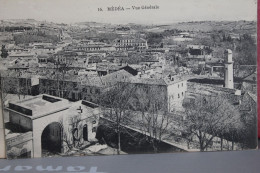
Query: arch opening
{"x": 85, "y": 132}
{"x": 51, "y": 139}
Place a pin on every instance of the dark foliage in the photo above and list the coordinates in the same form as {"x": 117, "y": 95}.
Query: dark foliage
{"x": 4, "y": 52}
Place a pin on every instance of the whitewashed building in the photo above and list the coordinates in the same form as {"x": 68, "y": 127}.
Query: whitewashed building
{"x": 46, "y": 123}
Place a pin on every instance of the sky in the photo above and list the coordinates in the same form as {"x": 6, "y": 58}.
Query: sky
{"x": 170, "y": 11}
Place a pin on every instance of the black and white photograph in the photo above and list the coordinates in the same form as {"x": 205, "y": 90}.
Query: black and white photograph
{"x": 110, "y": 77}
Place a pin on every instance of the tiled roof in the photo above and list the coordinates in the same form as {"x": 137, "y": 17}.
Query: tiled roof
{"x": 196, "y": 46}
{"x": 253, "y": 96}
{"x": 104, "y": 67}
{"x": 43, "y": 55}
{"x": 82, "y": 79}
{"x": 91, "y": 81}
{"x": 159, "y": 80}
{"x": 196, "y": 87}
{"x": 116, "y": 76}
{"x": 21, "y": 55}
{"x": 213, "y": 90}
{"x": 251, "y": 77}
{"x": 148, "y": 81}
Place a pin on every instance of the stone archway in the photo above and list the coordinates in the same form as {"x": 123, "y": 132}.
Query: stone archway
{"x": 51, "y": 139}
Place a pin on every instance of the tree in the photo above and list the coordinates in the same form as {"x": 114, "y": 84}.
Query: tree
{"x": 152, "y": 117}
{"x": 61, "y": 82}
{"x": 140, "y": 107}
{"x": 8, "y": 85}
{"x": 208, "y": 117}
{"x": 154, "y": 38}
{"x": 14, "y": 84}
{"x": 4, "y": 52}
{"x": 248, "y": 131}
{"x": 38, "y": 37}
{"x": 72, "y": 126}
{"x": 246, "y": 51}
{"x": 115, "y": 107}
{"x": 75, "y": 129}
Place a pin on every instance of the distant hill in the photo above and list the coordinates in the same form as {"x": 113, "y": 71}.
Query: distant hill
{"x": 19, "y": 22}
{"x": 91, "y": 24}
{"x": 28, "y": 23}
{"x": 197, "y": 26}
{"x": 207, "y": 26}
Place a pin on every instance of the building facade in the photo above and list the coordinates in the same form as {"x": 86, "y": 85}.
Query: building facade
{"x": 46, "y": 124}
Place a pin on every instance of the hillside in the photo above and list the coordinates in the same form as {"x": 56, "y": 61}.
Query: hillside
{"x": 207, "y": 26}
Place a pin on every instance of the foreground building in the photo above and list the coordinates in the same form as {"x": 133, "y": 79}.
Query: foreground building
{"x": 36, "y": 122}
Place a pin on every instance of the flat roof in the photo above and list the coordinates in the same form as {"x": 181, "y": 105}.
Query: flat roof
{"x": 38, "y": 106}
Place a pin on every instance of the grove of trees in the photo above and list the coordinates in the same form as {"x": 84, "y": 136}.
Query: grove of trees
{"x": 38, "y": 38}
{"x": 211, "y": 117}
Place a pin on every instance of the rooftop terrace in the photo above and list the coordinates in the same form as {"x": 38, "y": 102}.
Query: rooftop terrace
{"x": 39, "y": 106}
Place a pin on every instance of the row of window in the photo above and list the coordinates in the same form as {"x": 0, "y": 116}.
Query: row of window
{"x": 42, "y": 60}
{"x": 179, "y": 85}
{"x": 46, "y": 49}
{"x": 132, "y": 44}
{"x": 129, "y": 41}
{"x": 127, "y": 48}
{"x": 18, "y": 50}
{"x": 88, "y": 48}
{"x": 85, "y": 132}
{"x": 180, "y": 95}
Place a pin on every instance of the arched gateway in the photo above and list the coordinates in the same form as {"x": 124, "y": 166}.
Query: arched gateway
{"x": 51, "y": 139}
{"x": 45, "y": 117}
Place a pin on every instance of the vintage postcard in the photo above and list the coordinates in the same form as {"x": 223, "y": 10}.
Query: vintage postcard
{"x": 105, "y": 77}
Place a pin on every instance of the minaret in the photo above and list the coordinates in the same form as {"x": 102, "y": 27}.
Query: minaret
{"x": 228, "y": 69}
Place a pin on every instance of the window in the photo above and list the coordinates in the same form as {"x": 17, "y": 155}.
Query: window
{"x": 75, "y": 134}
{"x": 94, "y": 129}
{"x": 85, "y": 132}
{"x": 94, "y": 122}
{"x": 73, "y": 95}
{"x": 182, "y": 94}
{"x": 178, "y": 95}
{"x": 204, "y": 100}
